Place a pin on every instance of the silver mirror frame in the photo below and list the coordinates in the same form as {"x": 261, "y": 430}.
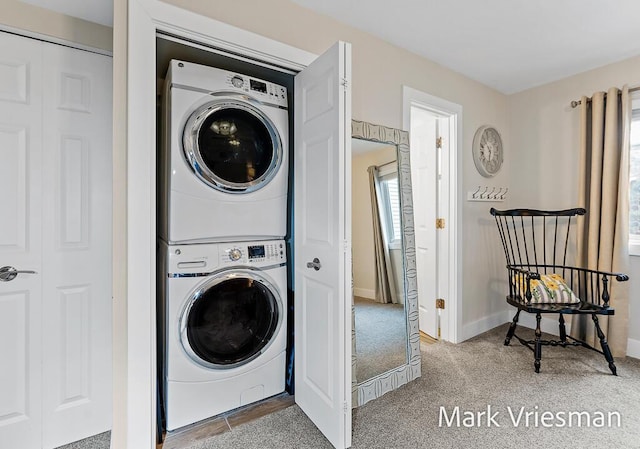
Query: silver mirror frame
{"x": 390, "y": 380}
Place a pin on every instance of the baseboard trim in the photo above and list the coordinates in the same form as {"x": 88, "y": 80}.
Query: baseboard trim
{"x": 364, "y": 293}
{"x": 477, "y": 327}
{"x": 547, "y": 325}
{"x": 633, "y": 348}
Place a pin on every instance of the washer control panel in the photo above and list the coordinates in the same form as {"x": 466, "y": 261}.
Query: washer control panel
{"x": 253, "y": 253}
{"x": 262, "y": 90}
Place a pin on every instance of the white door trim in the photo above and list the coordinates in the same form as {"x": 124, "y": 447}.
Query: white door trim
{"x": 53, "y": 40}
{"x": 452, "y": 314}
{"x": 135, "y": 383}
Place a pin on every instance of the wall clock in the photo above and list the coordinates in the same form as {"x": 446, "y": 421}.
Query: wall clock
{"x": 487, "y": 151}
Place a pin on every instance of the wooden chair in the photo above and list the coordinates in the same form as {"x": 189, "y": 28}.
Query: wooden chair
{"x": 535, "y": 245}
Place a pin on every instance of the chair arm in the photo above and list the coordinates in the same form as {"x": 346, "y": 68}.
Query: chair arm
{"x": 590, "y": 285}
{"x": 620, "y": 277}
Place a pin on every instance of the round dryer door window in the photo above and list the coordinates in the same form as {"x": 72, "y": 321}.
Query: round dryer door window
{"x": 230, "y": 320}
{"x": 232, "y": 146}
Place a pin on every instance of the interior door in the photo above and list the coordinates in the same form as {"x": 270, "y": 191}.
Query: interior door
{"x": 20, "y": 242}
{"x": 76, "y": 275}
{"x": 55, "y": 175}
{"x": 322, "y": 170}
{"x": 424, "y": 134}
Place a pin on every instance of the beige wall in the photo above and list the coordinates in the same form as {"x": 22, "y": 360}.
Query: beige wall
{"x": 544, "y": 140}
{"x": 22, "y": 16}
{"x": 379, "y": 72}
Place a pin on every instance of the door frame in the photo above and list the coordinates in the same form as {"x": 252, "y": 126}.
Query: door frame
{"x": 451, "y": 322}
{"x": 134, "y": 205}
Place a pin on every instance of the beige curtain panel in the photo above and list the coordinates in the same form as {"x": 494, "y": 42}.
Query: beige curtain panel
{"x": 603, "y": 233}
{"x": 385, "y": 283}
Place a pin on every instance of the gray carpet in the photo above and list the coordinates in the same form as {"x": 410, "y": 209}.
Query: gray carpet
{"x": 100, "y": 441}
{"x": 473, "y": 375}
{"x": 381, "y": 335}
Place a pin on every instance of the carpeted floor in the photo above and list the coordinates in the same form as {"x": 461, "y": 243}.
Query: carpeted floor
{"x": 473, "y": 375}
{"x": 381, "y": 337}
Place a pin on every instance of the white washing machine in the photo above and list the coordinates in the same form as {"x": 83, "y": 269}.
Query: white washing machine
{"x": 224, "y": 164}
{"x": 224, "y": 327}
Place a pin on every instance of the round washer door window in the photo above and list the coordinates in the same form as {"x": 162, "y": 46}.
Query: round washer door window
{"x": 230, "y": 320}
{"x": 232, "y": 146}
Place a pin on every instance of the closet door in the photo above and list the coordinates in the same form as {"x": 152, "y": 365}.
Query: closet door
{"x": 20, "y": 242}
{"x": 55, "y": 221}
{"x": 323, "y": 243}
{"x": 76, "y": 276}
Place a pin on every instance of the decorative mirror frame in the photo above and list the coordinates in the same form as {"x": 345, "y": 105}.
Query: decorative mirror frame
{"x": 375, "y": 387}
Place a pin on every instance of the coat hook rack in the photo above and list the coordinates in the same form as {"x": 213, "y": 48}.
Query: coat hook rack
{"x": 487, "y": 194}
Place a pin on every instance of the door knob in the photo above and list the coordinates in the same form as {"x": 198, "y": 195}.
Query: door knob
{"x": 315, "y": 264}
{"x": 9, "y": 273}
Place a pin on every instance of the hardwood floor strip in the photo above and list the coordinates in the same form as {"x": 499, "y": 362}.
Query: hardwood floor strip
{"x": 189, "y": 435}
{"x": 261, "y": 409}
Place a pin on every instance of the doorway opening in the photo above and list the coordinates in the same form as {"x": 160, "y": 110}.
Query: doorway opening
{"x": 435, "y": 127}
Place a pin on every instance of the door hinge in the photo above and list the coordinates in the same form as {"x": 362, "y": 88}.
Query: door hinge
{"x": 344, "y": 83}
{"x": 439, "y": 303}
{"x": 439, "y": 223}
{"x": 439, "y": 142}
{"x": 345, "y": 407}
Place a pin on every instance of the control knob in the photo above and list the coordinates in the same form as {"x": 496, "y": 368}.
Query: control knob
{"x": 237, "y": 81}
{"x": 235, "y": 254}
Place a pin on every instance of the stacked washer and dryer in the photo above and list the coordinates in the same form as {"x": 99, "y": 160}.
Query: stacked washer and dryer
{"x": 222, "y": 257}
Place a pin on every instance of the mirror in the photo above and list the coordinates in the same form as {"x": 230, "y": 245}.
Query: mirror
{"x": 386, "y": 340}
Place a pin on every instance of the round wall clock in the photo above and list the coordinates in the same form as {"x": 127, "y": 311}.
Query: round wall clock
{"x": 487, "y": 151}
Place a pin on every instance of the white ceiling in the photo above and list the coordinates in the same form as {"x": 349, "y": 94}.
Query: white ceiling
{"x": 510, "y": 45}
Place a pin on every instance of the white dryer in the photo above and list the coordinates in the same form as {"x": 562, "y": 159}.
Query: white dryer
{"x": 224, "y": 327}
{"x": 224, "y": 163}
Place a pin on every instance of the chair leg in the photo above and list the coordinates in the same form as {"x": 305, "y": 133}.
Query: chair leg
{"x": 563, "y": 331}
{"x": 604, "y": 345}
{"x": 538, "y": 348}
{"x": 512, "y": 329}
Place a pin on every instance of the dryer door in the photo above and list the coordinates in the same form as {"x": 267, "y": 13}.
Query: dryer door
{"x": 230, "y": 319}
{"x": 232, "y": 146}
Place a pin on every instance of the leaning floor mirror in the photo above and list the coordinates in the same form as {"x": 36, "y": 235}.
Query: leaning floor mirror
{"x": 386, "y": 337}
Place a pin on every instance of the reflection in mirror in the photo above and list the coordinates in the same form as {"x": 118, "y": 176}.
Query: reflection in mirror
{"x": 378, "y": 285}
{"x": 386, "y": 339}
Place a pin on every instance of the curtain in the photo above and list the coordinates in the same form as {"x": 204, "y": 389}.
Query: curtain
{"x": 603, "y": 233}
{"x": 385, "y": 282}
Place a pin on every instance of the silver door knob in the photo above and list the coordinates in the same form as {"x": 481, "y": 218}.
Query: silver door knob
{"x": 315, "y": 264}
{"x": 9, "y": 273}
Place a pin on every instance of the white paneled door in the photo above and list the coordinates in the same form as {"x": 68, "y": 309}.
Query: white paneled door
{"x": 323, "y": 243}
{"x": 424, "y": 172}
{"x": 55, "y": 220}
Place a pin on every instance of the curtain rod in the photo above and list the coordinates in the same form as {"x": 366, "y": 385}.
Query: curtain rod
{"x": 575, "y": 104}
{"x": 385, "y": 164}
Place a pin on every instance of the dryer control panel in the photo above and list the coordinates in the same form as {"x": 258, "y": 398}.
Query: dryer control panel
{"x": 253, "y": 253}
{"x": 262, "y": 90}
{"x": 213, "y": 79}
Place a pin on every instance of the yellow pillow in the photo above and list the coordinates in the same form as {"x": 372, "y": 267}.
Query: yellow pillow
{"x": 550, "y": 289}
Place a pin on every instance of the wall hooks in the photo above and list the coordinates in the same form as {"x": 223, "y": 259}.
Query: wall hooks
{"x": 487, "y": 193}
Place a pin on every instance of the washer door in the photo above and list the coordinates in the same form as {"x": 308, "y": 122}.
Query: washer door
{"x": 230, "y": 319}
{"x": 232, "y": 146}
